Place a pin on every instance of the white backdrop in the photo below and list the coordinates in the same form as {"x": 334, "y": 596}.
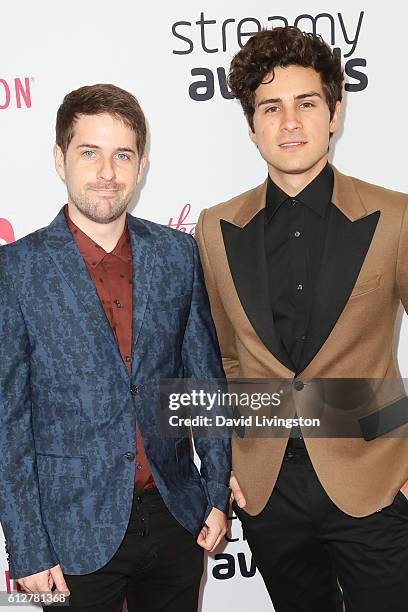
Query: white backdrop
{"x": 200, "y": 153}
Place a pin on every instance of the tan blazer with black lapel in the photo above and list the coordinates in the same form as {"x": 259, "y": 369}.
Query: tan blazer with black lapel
{"x": 362, "y": 282}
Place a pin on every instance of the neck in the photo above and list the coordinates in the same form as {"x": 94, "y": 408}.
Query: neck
{"x": 105, "y": 234}
{"x": 292, "y": 184}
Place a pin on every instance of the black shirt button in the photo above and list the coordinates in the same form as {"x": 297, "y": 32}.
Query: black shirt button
{"x": 298, "y": 384}
{"x": 129, "y": 456}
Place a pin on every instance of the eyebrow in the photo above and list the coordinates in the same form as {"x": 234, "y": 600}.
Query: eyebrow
{"x": 93, "y": 146}
{"x": 309, "y": 94}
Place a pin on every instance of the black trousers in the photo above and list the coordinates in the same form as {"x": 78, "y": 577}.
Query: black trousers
{"x": 306, "y": 548}
{"x": 158, "y": 566}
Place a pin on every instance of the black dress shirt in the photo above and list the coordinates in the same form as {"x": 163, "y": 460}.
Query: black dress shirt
{"x": 295, "y": 229}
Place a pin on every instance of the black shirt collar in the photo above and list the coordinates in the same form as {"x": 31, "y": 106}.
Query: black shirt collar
{"x": 316, "y": 195}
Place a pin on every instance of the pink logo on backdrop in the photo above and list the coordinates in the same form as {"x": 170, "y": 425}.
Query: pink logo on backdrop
{"x": 15, "y": 93}
{"x": 181, "y": 223}
{"x": 6, "y": 232}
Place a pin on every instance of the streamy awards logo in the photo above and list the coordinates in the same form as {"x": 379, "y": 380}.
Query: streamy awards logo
{"x": 211, "y": 37}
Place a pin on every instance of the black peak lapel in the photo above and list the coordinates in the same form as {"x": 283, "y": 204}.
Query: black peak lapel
{"x": 246, "y": 258}
{"x": 346, "y": 246}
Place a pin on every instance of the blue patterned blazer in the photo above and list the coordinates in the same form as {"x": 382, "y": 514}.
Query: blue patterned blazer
{"x": 68, "y": 406}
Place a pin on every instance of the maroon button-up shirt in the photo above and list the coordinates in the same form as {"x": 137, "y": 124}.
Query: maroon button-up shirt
{"x": 111, "y": 274}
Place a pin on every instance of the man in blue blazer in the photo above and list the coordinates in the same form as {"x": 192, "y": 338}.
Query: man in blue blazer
{"x": 95, "y": 310}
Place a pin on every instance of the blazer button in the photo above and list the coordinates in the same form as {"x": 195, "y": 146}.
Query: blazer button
{"x": 134, "y": 389}
{"x": 129, "y": 456}
{"x": 298, "y": 384}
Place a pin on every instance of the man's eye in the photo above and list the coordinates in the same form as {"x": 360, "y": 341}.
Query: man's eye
{"x": 89, "y": 154}
{"x": 122, "y": 156}
{"x": 307, "y": 105}
{"x": 272, "y": 109}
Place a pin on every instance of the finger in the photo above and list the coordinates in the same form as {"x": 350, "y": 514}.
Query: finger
{"x": 50, "y": 581}
{"x": 218, "y": 540}
{"x": 240, "y": 499}
{"x": 59, "y": 579}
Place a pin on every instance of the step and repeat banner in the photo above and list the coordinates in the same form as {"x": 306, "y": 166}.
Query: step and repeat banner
{"x": 174, "y": 57}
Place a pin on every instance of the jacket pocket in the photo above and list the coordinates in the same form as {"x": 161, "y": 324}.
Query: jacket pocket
{"x": 54, "y": 465}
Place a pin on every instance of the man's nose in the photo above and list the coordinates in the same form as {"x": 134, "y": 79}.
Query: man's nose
{"x": 106, "y": 170}
{"x": 291, "y": 120}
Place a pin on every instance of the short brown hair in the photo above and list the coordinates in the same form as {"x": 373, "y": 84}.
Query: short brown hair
{"x": 283, "y": 47}
{"x": 95, "y": 100}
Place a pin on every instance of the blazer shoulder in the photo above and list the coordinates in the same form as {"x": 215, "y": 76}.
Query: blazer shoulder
{"x": 227, "y": 209}
{"x": 28, "y": 246}
{"x": 376, "y": 197}
{"x": 164, "y": 234}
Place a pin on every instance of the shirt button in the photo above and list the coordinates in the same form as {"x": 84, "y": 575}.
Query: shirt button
{"x": 298, "y": 384}
{"x": 139, "y": 466}
{"x": 129, "y": 456}
{"x": 299, "y": 287}
{"x": 118, "y": 304}
{"x": 293, "y": 202}
{"x": 127, "y": 358}
{"x": 297, "y": 234}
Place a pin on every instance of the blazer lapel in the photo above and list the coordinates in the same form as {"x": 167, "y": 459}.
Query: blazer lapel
{"x": 350, "y": 232}
{"x": 143, "y": 256}
{"x": 244, "y": 245}
{"x": 67, "y": 258}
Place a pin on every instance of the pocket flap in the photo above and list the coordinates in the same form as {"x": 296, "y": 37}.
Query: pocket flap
{"x": 364, "y": 286}
{"x": 54, "y": 465}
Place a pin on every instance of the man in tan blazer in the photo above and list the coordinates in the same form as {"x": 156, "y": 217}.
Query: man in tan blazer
{"x": 306, "y": 274}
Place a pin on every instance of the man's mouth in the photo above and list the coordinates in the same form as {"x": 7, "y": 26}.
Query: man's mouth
{"x": 293, "y": 144}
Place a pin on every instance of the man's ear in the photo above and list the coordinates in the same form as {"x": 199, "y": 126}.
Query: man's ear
{"x": 252, "y": 134}
{"x": 335, "y": 120}
{"x": 142, "y": 164}
{"x": 59, "y": 162}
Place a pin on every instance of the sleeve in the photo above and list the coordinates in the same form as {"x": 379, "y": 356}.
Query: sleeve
{"x": 27, "y": 541}
{"x": 202, "y": 361}
{"x": 225, "y": 331}
{"x": 402, "y": 261}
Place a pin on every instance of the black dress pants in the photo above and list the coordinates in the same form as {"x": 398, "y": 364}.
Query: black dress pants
{"x": 158, "y": 566}
{"x": 306, "y": 548}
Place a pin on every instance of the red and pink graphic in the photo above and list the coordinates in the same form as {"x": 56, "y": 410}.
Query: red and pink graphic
{"x": 6, "y": 232}
{"x": 15, "y": 93}
{"x": 182, "y": 224}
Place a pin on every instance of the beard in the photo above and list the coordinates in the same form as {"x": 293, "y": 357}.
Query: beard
{"x": 101, "y": 209}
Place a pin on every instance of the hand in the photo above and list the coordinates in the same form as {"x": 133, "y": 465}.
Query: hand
{"x": 44, "y": 581}
{"x": 215, "y": 527}
{"x": 404, "y": 489}
{"x": 237, "y": 494}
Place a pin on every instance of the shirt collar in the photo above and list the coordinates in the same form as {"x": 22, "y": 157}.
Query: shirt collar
{"x": 316, "y": 195}
{"x": 92, "y": 252}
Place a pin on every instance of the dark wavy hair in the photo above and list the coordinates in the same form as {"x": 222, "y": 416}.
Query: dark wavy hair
{"x": 95, "y": 100}
{"x": 283, "y": 47}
